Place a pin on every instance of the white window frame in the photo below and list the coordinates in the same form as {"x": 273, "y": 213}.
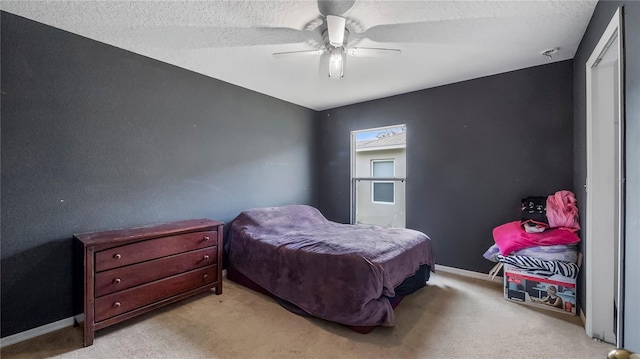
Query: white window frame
{"x": 393, "y": 161}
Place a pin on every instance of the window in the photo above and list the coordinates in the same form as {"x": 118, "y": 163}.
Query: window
{"x": 382, "y": 191}
{"x": 378, "y": 176}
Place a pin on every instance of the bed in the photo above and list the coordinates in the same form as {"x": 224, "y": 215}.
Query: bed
{"x": 349, "y": 274}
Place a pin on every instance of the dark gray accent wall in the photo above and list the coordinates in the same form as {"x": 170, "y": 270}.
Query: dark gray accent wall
{"x": 474, "y": 149}
{"x": 96, "y": 138}
{"x": 631, "y": 25}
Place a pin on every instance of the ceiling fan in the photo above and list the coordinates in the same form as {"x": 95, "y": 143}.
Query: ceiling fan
{"x": 335, "y": 50}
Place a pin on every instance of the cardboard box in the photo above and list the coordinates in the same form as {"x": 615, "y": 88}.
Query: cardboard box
{"x": 531, "y": 289}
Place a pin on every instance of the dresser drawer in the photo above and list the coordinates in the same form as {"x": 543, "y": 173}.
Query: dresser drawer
{"x": 130, "y": 276}
{"x": 136, "y": 297}
{"x": 153, "y": 248}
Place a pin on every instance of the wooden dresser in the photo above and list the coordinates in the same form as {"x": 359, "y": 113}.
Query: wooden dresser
{"x": 128, "y": 272}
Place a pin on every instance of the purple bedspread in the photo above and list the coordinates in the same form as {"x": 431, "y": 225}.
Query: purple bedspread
{"x": 334, "y": 271}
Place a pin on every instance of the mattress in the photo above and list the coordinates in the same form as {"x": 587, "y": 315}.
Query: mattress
{"x": 343, "y": 273}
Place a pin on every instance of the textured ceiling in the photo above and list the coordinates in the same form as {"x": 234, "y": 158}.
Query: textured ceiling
{"x": 441, "y": 41}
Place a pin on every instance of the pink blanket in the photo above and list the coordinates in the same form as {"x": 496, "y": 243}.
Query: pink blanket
{"x": 512, "y": 237}
{"x": 562, "y": 211}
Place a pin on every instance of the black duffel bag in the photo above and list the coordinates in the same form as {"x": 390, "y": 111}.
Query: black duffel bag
{"x": 534, "y": 210}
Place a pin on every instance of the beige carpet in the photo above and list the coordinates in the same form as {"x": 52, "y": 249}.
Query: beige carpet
{"x": 453, "y": 317}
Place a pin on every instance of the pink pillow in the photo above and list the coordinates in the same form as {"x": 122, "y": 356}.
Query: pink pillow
{"x": 511, "y": 237}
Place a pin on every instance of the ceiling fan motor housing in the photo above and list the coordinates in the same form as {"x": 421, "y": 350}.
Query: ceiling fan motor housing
{"x": 328, "y": 44}
{"x": 336, "y": 30}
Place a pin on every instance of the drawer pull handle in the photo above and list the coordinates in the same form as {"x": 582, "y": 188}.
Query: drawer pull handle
{"x": 205, "y": 276}
{"x": 206, "y": 257}
{"x": 116, "y": 304}
{"x": 117, "y": 256}
{"x": 206, "y": 238}
{"x": 116, "y": 281}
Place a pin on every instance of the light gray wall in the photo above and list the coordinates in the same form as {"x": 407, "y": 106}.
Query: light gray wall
{"x": 95, "y": 138}
{"x": 631, "y": 24}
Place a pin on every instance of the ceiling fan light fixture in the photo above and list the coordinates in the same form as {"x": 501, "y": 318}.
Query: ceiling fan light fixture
{"x": 335, "y": 48}
{"x": 336, "y": 64}
{"x": 336, "y": 27}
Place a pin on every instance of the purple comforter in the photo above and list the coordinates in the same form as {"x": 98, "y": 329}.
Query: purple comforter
{"x": 334, "y": 271}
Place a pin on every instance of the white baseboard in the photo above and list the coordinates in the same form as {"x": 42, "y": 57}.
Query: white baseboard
{"x": 48, "y": 328}
{"x": 35, "y": 332}
{"x": 467, "y": 273}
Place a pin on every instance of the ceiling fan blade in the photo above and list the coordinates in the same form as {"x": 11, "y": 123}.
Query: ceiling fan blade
{"x": 335, "y": 29}
{"x": 334, "y": 7}
{"x": 372, "y": 52}
{"x": 202, "y": 37}
{"x": 298, "y": 53}
{"x": 436, "y": 31}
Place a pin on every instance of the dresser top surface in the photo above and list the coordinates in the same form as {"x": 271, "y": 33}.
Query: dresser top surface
{"x": 150, "y": 231}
